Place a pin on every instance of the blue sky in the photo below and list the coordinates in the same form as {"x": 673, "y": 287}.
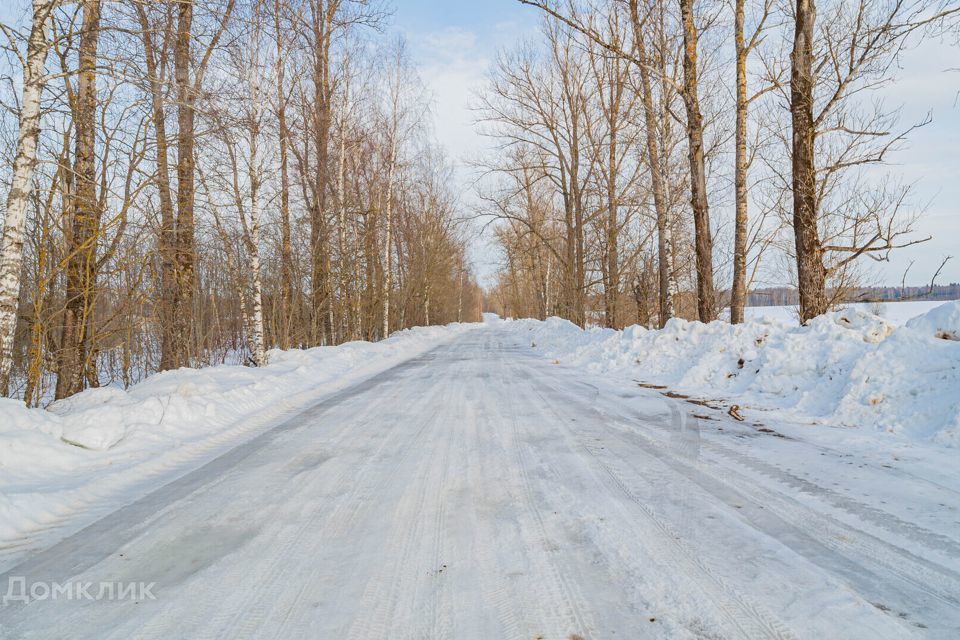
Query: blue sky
{"x": 482, "y": 15}
{"x": 454, "y": 42}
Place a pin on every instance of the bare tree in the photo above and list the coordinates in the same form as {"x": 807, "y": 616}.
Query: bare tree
{"x": 706, "y": 302}
{"x": 84, "y": 222}
{"x": 11, "y": 244}
{"x": 743, "y": 47}
{"x": 811, "y": 275}
{"x": 849, "y": 54}
{"x": 283, "y": 137}
{"x": 657, "y": 162}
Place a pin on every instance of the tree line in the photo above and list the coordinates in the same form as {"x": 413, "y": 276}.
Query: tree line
{"x": 193, "y": 183}
{"x": 627, "y": 125}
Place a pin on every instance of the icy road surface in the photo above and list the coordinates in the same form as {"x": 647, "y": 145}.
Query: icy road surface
{"x": 482, "y": 492}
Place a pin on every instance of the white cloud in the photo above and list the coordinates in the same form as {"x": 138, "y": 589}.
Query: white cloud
{"x": 454, "y": 67}
{"x": 453, "y": 63}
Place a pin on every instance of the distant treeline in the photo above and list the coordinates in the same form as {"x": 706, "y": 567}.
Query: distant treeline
{"x": 782, "y": 296}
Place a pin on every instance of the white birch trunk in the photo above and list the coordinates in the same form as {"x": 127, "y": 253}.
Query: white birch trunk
{"x": 388, "y": 239}
{"x": 673, "y": 289}
{"x": 258, "y": 338}
{"x": 460, "y": 297}
{"x": 345, "y": 294}
{"x": 426, "y": 306}
{"x": 11, "y": 244}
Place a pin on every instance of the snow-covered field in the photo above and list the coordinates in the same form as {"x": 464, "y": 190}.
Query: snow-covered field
{"x": 88, "y": 454}
{"x": 899, "y": 374}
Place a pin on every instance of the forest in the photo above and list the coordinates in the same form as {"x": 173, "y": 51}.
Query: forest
{"x": 199, "y": 183}
{"x": 662, "y": 159}
{"x": 196, "y": 183}
{"x": 479, "y": 319}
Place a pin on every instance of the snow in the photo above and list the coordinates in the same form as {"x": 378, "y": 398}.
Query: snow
{"x": 61, "y": 468}
{"x": 848, "y": 368}
{"x": 942, "y": 322}
{"x": 895, "y": 312}
{"x": 481, "y": 491}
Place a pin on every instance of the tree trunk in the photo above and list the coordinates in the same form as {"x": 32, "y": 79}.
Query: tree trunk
{"x": 81, "y": 276}
{"x": 252, "y": 234}
{"x": 811, "y": 276}
{"x": 320, "y": 259}
{"x": 667, "y": 281}
{"x": 579, "y": 272}
{"x": 184, "y": 233}
{"x": 156, "y": 72}
{"x": 345, "y": 293}
{"x": 286, "y": 249}
{"x": 11, "y": 244}
{"x": 388, "y": 242}
{"x": 460, "y": 294}
{"x": 570, "y": 258}
{"x": 612, "y": 290}
{"x": 706, "y": 302}
{"x": 253, "y": 248}
{"x": 738, "y": 293}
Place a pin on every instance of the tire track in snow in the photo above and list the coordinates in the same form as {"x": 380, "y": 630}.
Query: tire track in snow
{"x": 382, "y": 593}
{"x": 887, "y": 560}
{"x": 410, "y": 571}
{"x": 867, "y": 561}
{"x": 208, "y": 614}
{"x": 573, "y": 615}
{"x": 496, "y": 591}
{"x": 936, "y": 582}
{"x": 747, "y": 619}
{"x": 882, "y": 519}
{"x": 249, "y": 618}
{"x": 935, "y": 541}
{"x": 820, "y": 528}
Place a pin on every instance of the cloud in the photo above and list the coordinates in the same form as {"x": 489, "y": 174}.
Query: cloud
{"x": 929, "y": 160}
{"x": 454, "y": 67}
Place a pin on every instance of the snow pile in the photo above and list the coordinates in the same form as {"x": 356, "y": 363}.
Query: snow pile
{"x": 895, "y": 311}
{"x": 942, "y": 322}
{"x": 847, "y": 368}
{"x": 95, "y": 447}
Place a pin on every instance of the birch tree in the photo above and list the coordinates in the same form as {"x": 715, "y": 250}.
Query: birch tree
{"x": 11, "y": 244}
{"x": 657, "y": 163}
{"x": 404, "y": 111}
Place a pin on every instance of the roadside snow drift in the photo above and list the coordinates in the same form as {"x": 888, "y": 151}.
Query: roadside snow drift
{"x": 92, "y": 450}
{"x": 848, "y": 368}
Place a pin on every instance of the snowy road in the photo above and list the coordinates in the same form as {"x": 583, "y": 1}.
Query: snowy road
{"x": 481, "y": 492}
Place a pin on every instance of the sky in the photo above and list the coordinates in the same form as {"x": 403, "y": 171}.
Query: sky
{"x": 455, "y": 42}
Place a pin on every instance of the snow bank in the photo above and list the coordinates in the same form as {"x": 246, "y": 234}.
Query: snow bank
{"x": 942, "y": 322}
{"x": 848, "y": 368}
{"x": 96, "y": 447}
{"x": 895, "y": 311}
